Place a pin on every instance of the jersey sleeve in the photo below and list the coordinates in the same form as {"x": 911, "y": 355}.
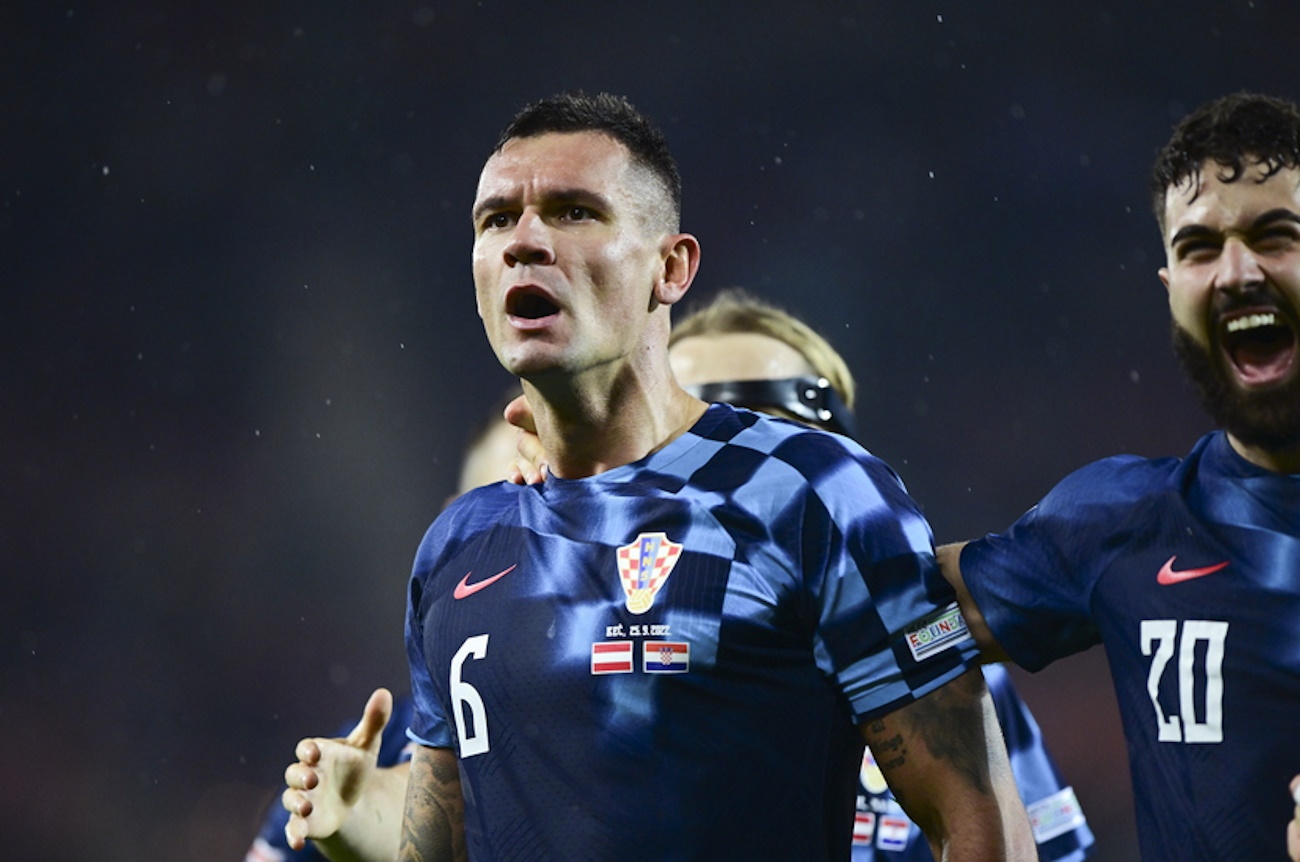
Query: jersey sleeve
{"x": 1033, "y": 583}
{"x": 428, "y": 725}
{"x": 888, "y": 627}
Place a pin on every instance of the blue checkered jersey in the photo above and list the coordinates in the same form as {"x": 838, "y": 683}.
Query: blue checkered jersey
{"x": 883, "y": 832}
{"x": 270, "y": 844}
{"x": 666, "y": 661}
{"x": 1188, "y": 570}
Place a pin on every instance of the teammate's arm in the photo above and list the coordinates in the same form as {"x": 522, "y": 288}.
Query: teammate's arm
{"x": 949, "y": 557}
{"x": 1293, "y": 828}
{"x": 944, "y": 758}
{"x": 433, "y": 827}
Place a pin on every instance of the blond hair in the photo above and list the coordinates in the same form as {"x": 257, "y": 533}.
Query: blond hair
{"x": 735, "y": 310}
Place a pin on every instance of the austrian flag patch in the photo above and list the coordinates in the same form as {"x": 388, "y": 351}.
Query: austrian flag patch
{"x": 937, "y": 632}
{"x": 611, "y": 657}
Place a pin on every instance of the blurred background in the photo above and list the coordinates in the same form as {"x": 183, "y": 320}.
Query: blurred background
{"x": 241, "y": 359}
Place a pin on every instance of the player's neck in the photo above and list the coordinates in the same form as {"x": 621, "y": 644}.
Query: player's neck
{"x": 588, "y": 429}
{"x": 1286, "y": 461}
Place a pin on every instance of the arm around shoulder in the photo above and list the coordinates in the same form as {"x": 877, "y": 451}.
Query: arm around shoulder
{"x": 949, "y": 557}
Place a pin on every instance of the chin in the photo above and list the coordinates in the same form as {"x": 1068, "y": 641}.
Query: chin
{"x": 1266, "y": 418}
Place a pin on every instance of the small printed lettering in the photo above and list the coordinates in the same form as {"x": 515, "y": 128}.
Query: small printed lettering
{"x": 615, "y": 631}
{"x": 937, "y": 633}
{"x": 645, "y": 630}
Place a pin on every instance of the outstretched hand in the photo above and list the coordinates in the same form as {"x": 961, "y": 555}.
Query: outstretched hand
{"x": 331, "y": 774}
{"x": 1293, "y": 828}
{"x": 529, "y": 468}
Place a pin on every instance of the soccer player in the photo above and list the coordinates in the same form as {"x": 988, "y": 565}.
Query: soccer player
{"x": 741, "y": 350}
{"x": 1188, "y": 569}
{"x": 653, "y": 655}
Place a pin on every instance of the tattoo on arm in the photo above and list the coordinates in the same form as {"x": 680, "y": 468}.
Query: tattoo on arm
{"x": 950, "y": 722}
{"x": 890, "y": 751}
{"x": 433, "y": 824}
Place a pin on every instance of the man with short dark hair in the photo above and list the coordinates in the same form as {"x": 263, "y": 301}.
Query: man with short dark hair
{"x": 1188, "y": 570}
{"x": 654, "y": 654}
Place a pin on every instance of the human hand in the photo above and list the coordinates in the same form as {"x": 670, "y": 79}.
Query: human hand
{"x": 1293, "y": 828}
{"x": 331, "y": 775}
{"x": 529, "y": 468}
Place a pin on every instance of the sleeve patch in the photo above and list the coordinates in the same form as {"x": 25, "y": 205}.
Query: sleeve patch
{"x": 937, "y": 632}
{"x": 1056, "y": 815}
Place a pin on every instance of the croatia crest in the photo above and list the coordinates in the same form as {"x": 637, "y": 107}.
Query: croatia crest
{"x": 643, "y": 566}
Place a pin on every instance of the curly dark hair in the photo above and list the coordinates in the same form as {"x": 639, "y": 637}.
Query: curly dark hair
{"x": 612, "y": 115}
{"x": 1236, "y": 132}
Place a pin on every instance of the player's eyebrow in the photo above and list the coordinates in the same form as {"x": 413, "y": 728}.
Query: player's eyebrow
{"x": 1194, "y": 231}
{"x": 576, "y": 195}
{"x": 1275, "y": 215}
{"x": 487, "y": 205}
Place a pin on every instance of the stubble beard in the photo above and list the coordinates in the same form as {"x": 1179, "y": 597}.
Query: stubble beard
{"x": 1267, "y": 419}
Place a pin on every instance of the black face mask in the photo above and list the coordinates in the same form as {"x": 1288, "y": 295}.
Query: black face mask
{"x": 810, "y": 400}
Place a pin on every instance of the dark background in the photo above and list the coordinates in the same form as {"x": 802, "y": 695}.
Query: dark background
{"x": 241, "y": 356}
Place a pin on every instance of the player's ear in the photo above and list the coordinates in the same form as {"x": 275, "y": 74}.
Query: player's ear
{"x": 681, "y": 260}
{"x": 1163, "y": 272}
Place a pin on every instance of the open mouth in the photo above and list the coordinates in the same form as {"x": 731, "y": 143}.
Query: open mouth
{"x": 1260, "y": 345}
{"x": 530, "y": 303}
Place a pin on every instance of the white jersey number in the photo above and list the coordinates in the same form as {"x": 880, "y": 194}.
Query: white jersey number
{"x": 1159, "y": 639}
{"x": 465, "y": 697}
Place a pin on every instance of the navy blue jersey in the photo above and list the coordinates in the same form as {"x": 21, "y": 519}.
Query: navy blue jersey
{"x": 666, "y": 661}
{"x": 884, "y": 833}
{"x": 1188, "y": 570}
{"x": 270, "y": 844}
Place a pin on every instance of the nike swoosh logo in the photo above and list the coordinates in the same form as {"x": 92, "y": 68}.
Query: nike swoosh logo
{"x": 1168, "y": 576}
{"x": 465, "y": 588}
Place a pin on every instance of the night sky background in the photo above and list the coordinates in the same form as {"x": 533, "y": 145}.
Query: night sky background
{"x": 241, "y": 359}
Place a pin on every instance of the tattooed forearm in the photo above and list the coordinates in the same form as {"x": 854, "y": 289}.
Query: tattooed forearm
{"x": 950, "y": 723}
{"x": 943, "y": 758}
{"x": 433, "y": 825}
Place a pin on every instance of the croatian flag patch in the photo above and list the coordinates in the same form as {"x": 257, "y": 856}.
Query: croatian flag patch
{"x": 891, "y": 834}
{"x": 667, "y": 657}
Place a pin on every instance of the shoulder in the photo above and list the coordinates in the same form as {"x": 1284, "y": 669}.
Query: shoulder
{"x": 1117, "y": 481}
{"x": 470, "y": 514}
{"x": 810, "y": 452}
{"x": 759, "y": 451}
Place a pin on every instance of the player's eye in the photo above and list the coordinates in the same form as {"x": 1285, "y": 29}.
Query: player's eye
{"x": 1275, "y": 238}
{"x": 578, "y": 213}
{"x": 1197, "y": 249}
{"x": 496, "y": 221}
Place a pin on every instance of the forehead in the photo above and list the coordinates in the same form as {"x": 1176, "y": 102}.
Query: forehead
{"x": 555, "y": 162}
{"x": 735, "y": 356}
{"x": 1230, "y": 205}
